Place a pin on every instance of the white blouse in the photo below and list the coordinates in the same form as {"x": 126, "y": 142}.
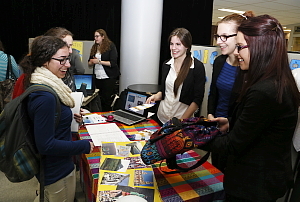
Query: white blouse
{"x": 99, "y": 70}
{"x": 171, "y": 107}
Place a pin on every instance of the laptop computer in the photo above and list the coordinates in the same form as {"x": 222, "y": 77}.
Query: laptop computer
{"x": 85, "y": 82}
{"x": 128, "y": 117}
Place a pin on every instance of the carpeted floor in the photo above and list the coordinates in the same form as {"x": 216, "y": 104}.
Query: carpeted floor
{"x": 25, "y": 191}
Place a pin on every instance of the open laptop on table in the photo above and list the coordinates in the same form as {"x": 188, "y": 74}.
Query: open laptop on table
{"x": 128, "y": 117}
{"x": 85, "y": 82}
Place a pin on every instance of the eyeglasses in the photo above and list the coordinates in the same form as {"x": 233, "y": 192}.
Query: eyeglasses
{"x": 96, "y": 36}
{"x": 241, "y": 47}
{"x": 63, "y": 60}
{"x": 223, "y": 37}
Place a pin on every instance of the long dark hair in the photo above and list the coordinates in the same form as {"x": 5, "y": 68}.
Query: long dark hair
{"x": 105, "y": 45}
{"x": 186, "y": 39}
{"x": 41, "y": 51}
{"x": 268, "y": 55}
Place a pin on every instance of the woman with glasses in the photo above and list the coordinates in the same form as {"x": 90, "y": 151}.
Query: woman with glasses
{"x": 183, "y": 80}
{"x": 258, "y": 146}
{"x": 103, "y": 58}
{"x": 47, "y": 64}
{"x": 225, "y": 84}
{"x": 75, "y": 61}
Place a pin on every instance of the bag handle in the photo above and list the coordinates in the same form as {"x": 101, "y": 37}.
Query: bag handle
{"x": 172, "y": 164}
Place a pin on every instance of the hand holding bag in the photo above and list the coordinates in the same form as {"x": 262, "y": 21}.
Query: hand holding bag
{"x": 176, "y": 137}
{"x": 7, "y": 86}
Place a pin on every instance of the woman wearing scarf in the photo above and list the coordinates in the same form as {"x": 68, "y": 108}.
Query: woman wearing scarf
{"x": 47, "y": 64}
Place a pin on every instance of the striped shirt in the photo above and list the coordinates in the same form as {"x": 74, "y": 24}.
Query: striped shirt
{"x": 3, "y": 66}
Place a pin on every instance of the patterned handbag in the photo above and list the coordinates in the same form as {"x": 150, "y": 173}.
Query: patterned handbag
{"x": 176, "y": 137}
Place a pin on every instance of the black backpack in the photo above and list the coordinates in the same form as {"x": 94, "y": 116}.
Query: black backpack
{"x": 19, "y": 158}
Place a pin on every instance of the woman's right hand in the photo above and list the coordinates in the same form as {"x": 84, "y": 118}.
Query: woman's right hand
{"x": 154, "y": 98}
{"x": 210, "y": 117}
{"x": 223, "y": 123}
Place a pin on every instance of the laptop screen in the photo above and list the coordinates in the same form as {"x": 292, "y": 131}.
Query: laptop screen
{"x": 134, "y": 99}
{"x": 85, "y": 78}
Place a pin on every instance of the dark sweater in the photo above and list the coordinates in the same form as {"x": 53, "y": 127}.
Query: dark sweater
{"x": 55, "y": 144}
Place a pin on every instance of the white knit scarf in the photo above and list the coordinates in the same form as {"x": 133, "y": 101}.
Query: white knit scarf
{"x": 42, "y": 75}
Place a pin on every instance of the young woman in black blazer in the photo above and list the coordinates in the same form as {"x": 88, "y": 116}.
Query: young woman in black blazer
{"x": 183, "y": 80}
{"x": 262, "y": 126}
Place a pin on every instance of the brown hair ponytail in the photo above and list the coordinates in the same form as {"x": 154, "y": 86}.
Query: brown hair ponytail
{"x": 186, "y": 39}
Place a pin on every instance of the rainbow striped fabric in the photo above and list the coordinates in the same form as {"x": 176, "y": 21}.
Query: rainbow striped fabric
{"x": 202, "y": 184}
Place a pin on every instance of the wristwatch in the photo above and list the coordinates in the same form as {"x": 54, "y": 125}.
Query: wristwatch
{"x": 99, "y": 61}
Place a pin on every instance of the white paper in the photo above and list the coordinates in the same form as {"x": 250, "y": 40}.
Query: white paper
{"x": 141, "y": 107}
{"x": 106, "y": 133}
{"x": 93, "y": 119}
{"x": 78, "y": 97}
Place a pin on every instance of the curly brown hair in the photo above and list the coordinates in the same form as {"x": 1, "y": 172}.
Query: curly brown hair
{"x": 42, "y": 50}
{"x": 105, "y": 45}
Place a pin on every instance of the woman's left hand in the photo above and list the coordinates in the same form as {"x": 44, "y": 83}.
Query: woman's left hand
{"x": 78, "y": 118}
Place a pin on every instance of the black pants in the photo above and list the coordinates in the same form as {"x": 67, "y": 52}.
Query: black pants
{"x": 295, "y": 195}
{"x": 106, "y": 90}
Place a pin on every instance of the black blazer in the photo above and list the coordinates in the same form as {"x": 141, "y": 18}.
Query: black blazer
{"x": 193, "y": 86}
{"x": 111, "y": 55}
{"x": 213, "y": 96}
{"x": 259, "y": 144}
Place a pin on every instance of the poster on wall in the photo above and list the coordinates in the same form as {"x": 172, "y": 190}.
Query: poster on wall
{"x": 78, "y": 46}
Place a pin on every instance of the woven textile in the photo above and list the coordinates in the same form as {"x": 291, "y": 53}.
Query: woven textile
{"x": 203, "y": 184}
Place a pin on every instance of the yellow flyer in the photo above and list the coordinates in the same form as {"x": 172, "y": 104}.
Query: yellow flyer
{"x": 123, "y": 173}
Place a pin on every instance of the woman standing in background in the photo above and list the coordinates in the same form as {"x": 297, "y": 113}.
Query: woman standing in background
{"x": 103, "y": 58}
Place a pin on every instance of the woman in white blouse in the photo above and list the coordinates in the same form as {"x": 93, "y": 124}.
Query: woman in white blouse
{"x": 183, "y": 80}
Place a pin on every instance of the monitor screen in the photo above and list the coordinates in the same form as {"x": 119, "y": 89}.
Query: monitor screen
{"x": 134, "y": 99}
{"x": 84, "y": 78}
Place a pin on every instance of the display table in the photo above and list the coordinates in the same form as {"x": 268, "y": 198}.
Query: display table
{"x": 90, "y": 163}
{"x": 204, "y": 183}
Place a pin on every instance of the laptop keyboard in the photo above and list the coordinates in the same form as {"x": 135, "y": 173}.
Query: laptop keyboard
{"x": 126, "y": 115}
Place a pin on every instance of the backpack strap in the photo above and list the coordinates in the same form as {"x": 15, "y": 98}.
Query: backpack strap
{"x": 9, "y": 70}
{"x": 42, "y": 87}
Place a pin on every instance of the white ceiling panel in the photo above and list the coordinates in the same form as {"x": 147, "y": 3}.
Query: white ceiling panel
{"x": 287, "y": 11}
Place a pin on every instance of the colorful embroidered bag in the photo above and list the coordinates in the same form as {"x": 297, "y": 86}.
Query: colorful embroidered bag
{"x": 176, "y": 137}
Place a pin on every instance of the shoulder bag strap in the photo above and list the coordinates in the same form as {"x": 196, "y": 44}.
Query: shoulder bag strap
{"x": 9, "y": 72}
